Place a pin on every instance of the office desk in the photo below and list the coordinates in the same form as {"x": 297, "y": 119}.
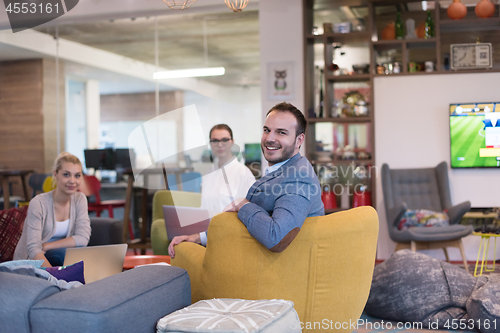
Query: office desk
{"x": 5, "y": 175}
{"x": 143, "y": 242}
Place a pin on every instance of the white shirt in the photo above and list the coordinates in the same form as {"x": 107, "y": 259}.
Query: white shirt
{"x": 216, "y": 194}
{"x": 61, "y": 230}
{"x": 275, "y": 167}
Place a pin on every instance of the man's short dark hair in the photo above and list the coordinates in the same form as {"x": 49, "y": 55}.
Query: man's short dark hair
{"x": 287, "y": 107}
{"x": 221, "y": 127}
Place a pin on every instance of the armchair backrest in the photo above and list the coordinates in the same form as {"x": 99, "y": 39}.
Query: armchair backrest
{"x": 326, "y": 271}
{"x": 426, "y": 188}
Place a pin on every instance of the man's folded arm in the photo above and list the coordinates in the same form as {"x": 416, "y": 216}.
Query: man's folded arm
{"x": 278, "y": 230}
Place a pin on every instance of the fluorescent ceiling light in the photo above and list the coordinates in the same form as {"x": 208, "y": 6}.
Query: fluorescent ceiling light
{"x": 193, "y": 72}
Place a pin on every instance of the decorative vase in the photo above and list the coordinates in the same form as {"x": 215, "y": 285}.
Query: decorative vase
{"x": 457, "y": 10}
{"x": 485, "y": 8}
{"x": 389, "y": 31}
{"x": 420, "y": 31}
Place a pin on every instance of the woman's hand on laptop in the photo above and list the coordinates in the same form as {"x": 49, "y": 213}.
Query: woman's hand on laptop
{"x": 236, "y": 205}
{"x": 195, "y": 238}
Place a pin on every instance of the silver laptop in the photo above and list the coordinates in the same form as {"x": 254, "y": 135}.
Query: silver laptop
{"x": 98, "y": 261}
{"x": 185, "y": 220}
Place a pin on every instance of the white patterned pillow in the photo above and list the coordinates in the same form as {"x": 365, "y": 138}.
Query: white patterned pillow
{"x": 233, "y": 315}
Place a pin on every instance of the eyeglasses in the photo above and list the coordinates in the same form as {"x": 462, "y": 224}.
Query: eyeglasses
{"x": 216, "y": 141}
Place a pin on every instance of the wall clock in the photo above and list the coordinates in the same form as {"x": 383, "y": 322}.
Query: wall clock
{"x": 471, "y": 56}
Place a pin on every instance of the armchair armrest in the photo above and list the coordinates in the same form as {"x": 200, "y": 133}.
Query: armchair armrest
{"x": 21, "y": 292}
{"x": 105, "y": 231}
{"x": 190, "y": 257}
{"x": 456, "y": 212}
{"x": 395, "y": 213}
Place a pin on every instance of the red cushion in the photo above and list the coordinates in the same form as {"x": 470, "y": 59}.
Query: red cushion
{"x": 11, "y": 228}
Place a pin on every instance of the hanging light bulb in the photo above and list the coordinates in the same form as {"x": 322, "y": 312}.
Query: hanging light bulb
{"x": 236, "y": 5}
{"x": 179, "y": 4}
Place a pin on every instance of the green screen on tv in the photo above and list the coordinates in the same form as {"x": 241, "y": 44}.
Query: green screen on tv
{"x": 475, "y": 135}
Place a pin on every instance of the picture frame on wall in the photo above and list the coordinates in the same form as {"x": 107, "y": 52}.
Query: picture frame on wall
{"x": 281, "y": 80}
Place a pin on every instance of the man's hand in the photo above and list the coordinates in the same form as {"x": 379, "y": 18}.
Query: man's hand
{"x": 195, "y": 238}
{"x": 236, "y": 205}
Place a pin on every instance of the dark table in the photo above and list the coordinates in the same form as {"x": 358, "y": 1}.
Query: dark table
{"x": 5, "y": 175}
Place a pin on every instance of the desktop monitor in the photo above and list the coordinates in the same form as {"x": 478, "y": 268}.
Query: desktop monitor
{"x": 124, "y": 158}
{"x": 252, "y": 153}
{"x": 102, "y": 159}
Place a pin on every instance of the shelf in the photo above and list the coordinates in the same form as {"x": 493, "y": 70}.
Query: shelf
{"x": 317, "y": 39}
{"x": 469, "y": 71}
{"x": 471, "y": 24}
{"x": 348, "y": 78}
{"x": 391, "y": 42}
{"x": 351, "y": 37}
{"x": 421, "y": 43}
{"x": 340, "y": 120}
{"x": 415, "y": 42}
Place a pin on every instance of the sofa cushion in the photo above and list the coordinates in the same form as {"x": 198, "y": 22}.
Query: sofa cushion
{"x": 413, "y": 287}
{"x": 233, "y": 315}
{"x": 484, "y": 307}
{"x": 11, "y": 228}
{"x": 131, "y": 301}
{"x": 423, "y": 218}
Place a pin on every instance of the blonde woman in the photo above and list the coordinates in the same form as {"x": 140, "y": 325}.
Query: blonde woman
{"x": 57, "y": 219}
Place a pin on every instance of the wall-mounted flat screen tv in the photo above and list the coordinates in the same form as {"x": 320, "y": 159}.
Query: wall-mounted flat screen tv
{"x": 475, "y": 135}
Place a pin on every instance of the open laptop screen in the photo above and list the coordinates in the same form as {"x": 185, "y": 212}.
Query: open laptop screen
{"x": 185, "y": 220}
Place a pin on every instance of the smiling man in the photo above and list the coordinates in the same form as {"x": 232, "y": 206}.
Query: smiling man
{"x": 277, "y": 204}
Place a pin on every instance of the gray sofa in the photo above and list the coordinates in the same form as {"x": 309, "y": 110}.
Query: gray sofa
{"x": 131, "y": 301}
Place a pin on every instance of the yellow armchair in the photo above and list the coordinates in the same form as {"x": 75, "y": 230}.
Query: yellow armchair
{"x": 326, "y": 271}
{"x": 159, "y": 239}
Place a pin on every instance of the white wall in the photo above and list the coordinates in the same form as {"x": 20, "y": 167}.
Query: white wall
{"x": 93, "y": 102}
{"x": 76, "y": 123}
{"x": 412, "y": 131}
{"x": 281, "y": 40}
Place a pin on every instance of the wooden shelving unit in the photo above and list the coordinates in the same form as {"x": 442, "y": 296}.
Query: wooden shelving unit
{"x": 434, "y": 49}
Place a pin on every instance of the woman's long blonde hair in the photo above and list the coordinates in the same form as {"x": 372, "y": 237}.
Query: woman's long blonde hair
{"x": 62, "y": 158}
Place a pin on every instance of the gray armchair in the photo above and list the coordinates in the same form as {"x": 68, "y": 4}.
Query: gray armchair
{"x": 105, "y": 231}
{"x": 426, "y": 188}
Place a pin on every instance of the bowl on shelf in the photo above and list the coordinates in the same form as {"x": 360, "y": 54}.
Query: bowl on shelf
{"x": 361, "y": 68}
{"x": 324, "y": 156}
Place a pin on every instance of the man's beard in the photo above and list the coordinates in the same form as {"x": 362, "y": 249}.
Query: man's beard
{"x": 286, "y": 153}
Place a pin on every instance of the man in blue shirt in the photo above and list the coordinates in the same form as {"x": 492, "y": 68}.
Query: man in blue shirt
{"x": 277, "y": 204}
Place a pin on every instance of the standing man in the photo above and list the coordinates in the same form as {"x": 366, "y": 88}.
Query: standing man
{"x": 277, "y": 204}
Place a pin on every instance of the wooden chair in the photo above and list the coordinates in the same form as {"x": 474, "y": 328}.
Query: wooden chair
{"x": 48, "y": 185}
{"x": 36, "y": 182}
{"x": 93, "y": 187}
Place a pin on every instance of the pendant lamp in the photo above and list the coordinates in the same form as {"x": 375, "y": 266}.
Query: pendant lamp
{"x": 236, "y": 5}
{"x": 179, "y": 4}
